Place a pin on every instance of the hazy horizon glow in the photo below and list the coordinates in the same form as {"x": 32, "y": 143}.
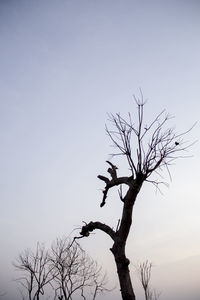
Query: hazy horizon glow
{"x": 64, "y": 66}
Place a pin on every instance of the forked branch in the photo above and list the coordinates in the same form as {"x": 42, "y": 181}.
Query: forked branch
{"x": 114, "y": 181}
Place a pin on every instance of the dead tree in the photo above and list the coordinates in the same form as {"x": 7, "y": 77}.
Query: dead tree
{"x": 148, "y": 150}
{"x": 35, "y": 271}
{"x": 75, "y": 273}
{"x": 144, "y": 273}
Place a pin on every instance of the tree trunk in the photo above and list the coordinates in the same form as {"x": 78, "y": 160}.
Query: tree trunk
{"x": 118, "y": 249}
{"x": 29, "y": 295}
{"x": 122, "y": 263}
{"x": 64, "y": 291}
{"x": 126, "y": 288}
{"x": 37, "y": 296}
{"x": 120, "y": 237}
{"x": 146, "y": 294}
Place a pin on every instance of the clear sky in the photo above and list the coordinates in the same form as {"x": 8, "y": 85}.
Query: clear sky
{"x": 63, "y": 66}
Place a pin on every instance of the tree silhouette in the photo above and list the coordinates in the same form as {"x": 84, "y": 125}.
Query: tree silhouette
{"x": 65, "y": 269}
{"x": 148, "y": 149}
{"x": 144, "y": 272}
{"x": 35, "y": 271}
{"x": 74, "y": 272}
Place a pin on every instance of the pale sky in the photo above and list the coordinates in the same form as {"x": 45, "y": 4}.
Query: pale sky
{"x": 63, "y": 66}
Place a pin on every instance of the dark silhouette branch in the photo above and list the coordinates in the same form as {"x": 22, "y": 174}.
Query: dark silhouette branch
{"x": 86, "y": 229}
{"x": 113, "y": 182}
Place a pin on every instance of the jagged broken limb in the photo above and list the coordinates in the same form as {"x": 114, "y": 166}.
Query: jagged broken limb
{"x": 114, "y": 181}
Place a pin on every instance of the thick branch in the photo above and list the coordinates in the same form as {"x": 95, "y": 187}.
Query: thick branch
{"x": 86, "y": 229}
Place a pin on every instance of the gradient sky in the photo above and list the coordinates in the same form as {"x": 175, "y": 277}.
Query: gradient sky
{"x": 63, "y": 66}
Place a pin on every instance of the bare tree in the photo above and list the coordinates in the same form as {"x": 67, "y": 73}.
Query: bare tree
{"x": 67, "y": 269}
{"x": 36, "y": 274}
{"x": 148, "y": 149}
{"x": 75, "y": 272}
{"x": 144, "y": 272}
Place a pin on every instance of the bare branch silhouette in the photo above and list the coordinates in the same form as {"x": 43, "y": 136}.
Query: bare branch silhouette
{"x": 36, "y": 274}
{"x": 75, "y": 273}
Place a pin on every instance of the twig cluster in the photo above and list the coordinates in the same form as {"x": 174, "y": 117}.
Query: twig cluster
{"x": 147, "y": 148}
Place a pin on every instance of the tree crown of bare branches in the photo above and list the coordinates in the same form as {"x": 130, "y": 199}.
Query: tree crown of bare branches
{"x": 147, "y": 148}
